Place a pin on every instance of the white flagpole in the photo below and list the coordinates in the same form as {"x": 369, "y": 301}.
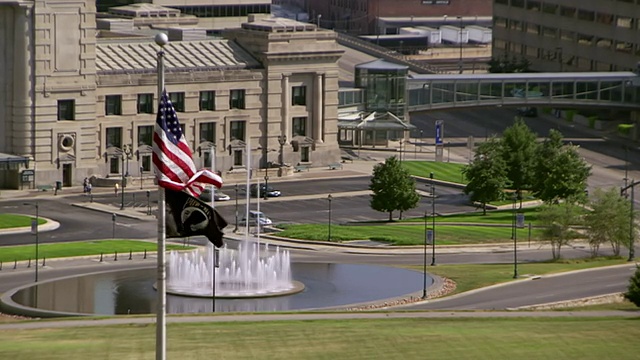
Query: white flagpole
{"x": 213, "y": 248}
{"x": 161, "y": 317}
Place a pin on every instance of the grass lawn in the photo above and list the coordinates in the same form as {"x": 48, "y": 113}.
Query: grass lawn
{"x": 402, "y": 235}
{"x": 8, "y": 221}
{"x": 408, "y": 338}
{"x": 475, "y": 276}
{"x": 492, "y": 217}
{"x": 80, "y": 248}
{"x": 451, "y": 172}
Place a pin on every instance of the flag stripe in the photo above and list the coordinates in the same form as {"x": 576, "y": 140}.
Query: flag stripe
{"x": 172, "y": 157}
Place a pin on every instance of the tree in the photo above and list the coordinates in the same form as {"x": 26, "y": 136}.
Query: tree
{"x": 518, "y": 152}
{"x": 608, "y": 221}
{"x": 393, "y": 188}
{"x": 633, "y": 291}
{"x": 487, "y": 174}
{"x": 560, "y": 172}
{"x": 558, "y": 220}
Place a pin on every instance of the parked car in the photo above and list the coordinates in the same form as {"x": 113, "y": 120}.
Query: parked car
{"x": 265, "y": 190}
{"x": 217, "y": 195}
{"x": 256, "y": 217}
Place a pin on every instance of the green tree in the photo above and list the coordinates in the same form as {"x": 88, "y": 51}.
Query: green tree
{"x": 633, "y": 291}
{"x": 558, "y": 220}
{"x": 608, "y": 221}
{"x": 518, "y": 151}
{"x": 487, "y": 174}
{"x": 560, "y": 172}
{"x": 393, "y": 188}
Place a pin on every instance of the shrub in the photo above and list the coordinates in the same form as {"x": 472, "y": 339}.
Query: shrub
{"x": 570, "y": 115}
{"x": 633, "y": 291}
{"x": 625, "y": 129}
{"x": 592, "y": 121}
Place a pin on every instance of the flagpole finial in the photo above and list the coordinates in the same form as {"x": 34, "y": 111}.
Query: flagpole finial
{"x": 161, "y": 39}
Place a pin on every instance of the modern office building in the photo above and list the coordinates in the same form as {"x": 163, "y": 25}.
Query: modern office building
{"x": 568, "y": 35}
{"x": 362, "y": 17}
{"x": 78, "y": 102}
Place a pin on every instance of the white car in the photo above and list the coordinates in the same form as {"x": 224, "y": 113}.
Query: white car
{"x": 217, "y": 195}
{"x": 256, "y": 217}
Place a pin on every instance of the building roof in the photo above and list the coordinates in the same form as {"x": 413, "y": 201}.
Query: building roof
{"x": 179, "y": 56}
{"x": 381, "y": 64}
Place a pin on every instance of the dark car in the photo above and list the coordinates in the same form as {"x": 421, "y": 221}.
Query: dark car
{"x": 528, "y": 111}
{"x": 265, "y": 191}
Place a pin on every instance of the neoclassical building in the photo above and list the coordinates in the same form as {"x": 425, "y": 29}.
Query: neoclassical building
{"x": 79, "y": 99}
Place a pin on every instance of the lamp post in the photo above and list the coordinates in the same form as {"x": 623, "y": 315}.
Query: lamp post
{"x": 424, "y": 260}
{"x": 460, "y": 43}
{"x": 433, "y": 219}
{"x": 141, "y": 170}
{"x": 282, "y": 139}
{"x": 329, "y": 198}
{"x": 515, "y": 238}
{"x": 126, "y": 152}
{"x": 34, "y": 231}
{"x": 632, "y": 250}
{"x": 626, "y": 165}
{"x": 236, "y": 229}
{"x": 266, "y": 182}
{"x": 421, "y": 141}
{"x": 318, "y": 23}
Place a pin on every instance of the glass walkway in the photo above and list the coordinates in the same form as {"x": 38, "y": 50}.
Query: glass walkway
{"x": 583, "y": 89}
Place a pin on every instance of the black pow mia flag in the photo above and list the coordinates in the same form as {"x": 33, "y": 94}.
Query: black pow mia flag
{"x": 188, "y": 216}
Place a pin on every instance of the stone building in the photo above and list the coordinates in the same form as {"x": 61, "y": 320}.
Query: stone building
{"x": 77, "y": 102}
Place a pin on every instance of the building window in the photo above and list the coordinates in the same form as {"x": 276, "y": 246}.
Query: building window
{"x": 114, "y": 137}
{"x": 237, "y": 157}
{"x": 66, "y": 109}
{"x": 208, "y": 132}
{"x": 114, "y": 165}
{"x": 177, "y": 99}
{"x": 237, "y": 130}
{"x": 304, "y": 154}
{"x": 299, "y": 95}
{"x": 113, "y": 105}
{"x": 299, "y": 127}
{"x": 145, "y": 103}
{"x": 207, "y": 100}
{"x": 236, "y": 99}
{"x": 145, "y": 135}
{"x": 146, "y": 162}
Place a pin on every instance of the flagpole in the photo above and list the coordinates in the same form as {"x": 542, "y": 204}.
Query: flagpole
{"x": 161, "y": 39}
{"x": 213, "y": 248}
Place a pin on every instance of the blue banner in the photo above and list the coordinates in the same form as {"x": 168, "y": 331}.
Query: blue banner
{"x": 439, "y": 132}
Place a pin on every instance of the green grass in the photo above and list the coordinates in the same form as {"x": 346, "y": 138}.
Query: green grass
{"x": 451, "y": 172}
{"x": 492, "y": 217}
{"x": 475, "y": 276}
{"x": 408, "y": 338}
{"x": 81, "y": 248}
{"x": 8, "y": 221}
{"x": 402, "y": 235}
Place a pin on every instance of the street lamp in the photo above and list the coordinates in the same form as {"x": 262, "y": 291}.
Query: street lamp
{"x": 126, "y": 152}
{"x": 424, "y": 260}
{"x": 329, "y": 198}
{"x": 34, "y": 230}
{"x": 515, "y": 238}
{"x": 266, "y": 182}
{"x": 282, "y": 139}
{"x": 318, "y": 23}
{"x": 421, "y": 141}
{"x": 460, "y": 43}
{"x": 433, "y": 219}
{"x": 236, "y": 229}
{"x": 626, "y": 165}
{"x": 141, "y": 170}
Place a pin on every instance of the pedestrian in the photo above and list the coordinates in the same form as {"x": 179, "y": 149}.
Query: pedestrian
{"x": 115, "y": 188}
{"x": 88, "y": 189}
{"x": 85, "y": 184}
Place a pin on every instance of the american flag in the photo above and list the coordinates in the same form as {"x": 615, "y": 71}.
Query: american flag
{"x": 172, "y": 157}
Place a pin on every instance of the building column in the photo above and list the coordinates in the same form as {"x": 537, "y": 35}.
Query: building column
{"x": 22, "y": 119}
{"x": 318, "y": 107}
{"x": 286, "y": 101}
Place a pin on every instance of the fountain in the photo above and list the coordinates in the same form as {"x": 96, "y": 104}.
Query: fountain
{"x": 244, "y": 273}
